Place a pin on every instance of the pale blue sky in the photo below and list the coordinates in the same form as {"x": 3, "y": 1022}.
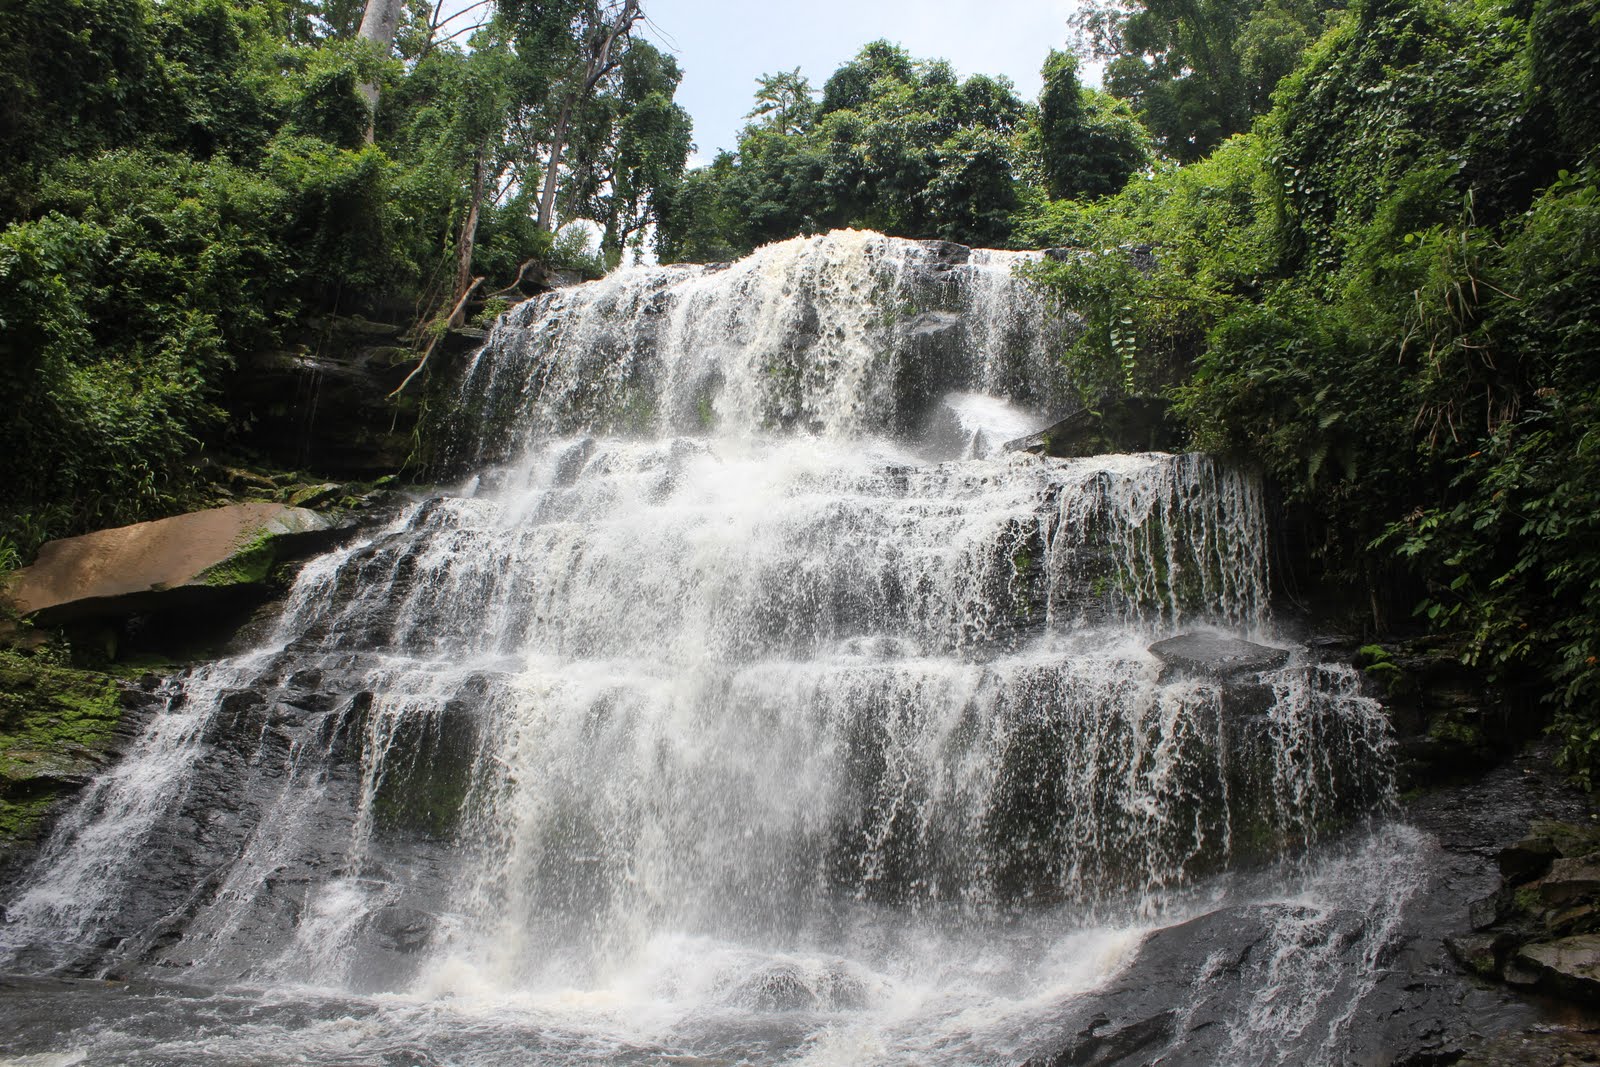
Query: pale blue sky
{"x": 723, "y": 45}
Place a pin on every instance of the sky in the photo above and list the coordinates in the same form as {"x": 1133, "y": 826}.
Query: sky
{"x": 724, "y": 45}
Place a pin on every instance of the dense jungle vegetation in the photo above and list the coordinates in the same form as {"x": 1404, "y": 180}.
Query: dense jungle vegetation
{"x": 1375, "y": 234}
{"x": 182, "y": 181}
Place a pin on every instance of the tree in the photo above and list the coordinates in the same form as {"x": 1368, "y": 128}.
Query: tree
{"x": 785, "y": 101}
{"x": 1088, "y": 142}
{"x": 897, "y": 144}
{"x": 601, "y": 30}
{"x": 629, "y": 154}
{"x": 379, "y": 22}
{"x": 1197, "y": 71}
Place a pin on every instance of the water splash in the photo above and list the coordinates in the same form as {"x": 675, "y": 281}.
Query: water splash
{"x": 840, "y": 335}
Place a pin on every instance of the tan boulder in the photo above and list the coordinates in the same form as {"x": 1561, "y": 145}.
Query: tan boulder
{"x": 166, "y": 563}
{"x": 1570, "y": 966}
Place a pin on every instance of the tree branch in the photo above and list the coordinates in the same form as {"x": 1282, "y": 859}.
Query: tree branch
{"x": 452, "y": 321}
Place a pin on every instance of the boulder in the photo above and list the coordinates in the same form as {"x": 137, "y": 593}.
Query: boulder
{"x": 1528, "y": 859}
{"x": 151, "y": 566}
{"x": 1124, "y": 425}
{"x": 1216, "y": 656}
{"x": 1570, "y": 966}
{"x": 1234, "y": 665}
{"x": 1570, "y": 880}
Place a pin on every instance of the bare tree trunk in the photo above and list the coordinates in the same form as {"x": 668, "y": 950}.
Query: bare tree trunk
{"x": 469, "y": 224}
{"x": 558, "y": 144}
{"x": 599, "y": 62}
{"x": 379, "y": 23}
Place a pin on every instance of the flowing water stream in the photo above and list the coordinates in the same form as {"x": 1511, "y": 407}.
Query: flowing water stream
{"x": 747, "y": 704}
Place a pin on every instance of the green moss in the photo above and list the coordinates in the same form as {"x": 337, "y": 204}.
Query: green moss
{"x": 1527, "y": 900}
{"x": 19, "y": 819}
{"x": 1453, "y": 728}
{"x": 55, "y": 723}
{"x": 428, "y": 771}
{"x": 248, "y": 566}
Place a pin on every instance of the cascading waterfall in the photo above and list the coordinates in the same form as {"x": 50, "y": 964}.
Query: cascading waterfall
{"x": 747, "y": 703}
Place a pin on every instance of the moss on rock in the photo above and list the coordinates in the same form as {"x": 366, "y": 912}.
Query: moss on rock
{"x": 55, "y": 726}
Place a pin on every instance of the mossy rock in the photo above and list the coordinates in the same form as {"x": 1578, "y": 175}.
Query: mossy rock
{"x": 56, "y": 727}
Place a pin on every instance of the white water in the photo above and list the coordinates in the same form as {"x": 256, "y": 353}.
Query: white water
{"x": 770, "y": 724}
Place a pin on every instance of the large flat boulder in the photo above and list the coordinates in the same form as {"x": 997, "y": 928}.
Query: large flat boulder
{"x": 150, "y": 566}
{"x": 1207, "y": 655}
{"x": 1570, "y": 966}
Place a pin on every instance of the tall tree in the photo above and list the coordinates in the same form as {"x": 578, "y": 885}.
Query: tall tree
{"x": 1197, "y": 71}
{"x": 379, "y": 23}
{"x": 785, "y": 101}
{"x": 1088, "y": 143}
{"x": 629, "y": 153}
{"x": 602, "y": 29}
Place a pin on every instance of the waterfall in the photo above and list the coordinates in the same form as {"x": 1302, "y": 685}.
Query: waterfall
{"x": 746, "y": 702}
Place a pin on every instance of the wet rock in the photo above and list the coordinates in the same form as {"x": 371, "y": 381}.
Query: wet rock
{"x": 152, "y": 566}
{"x": 1528, "y": 859}
{"x": 1205, "y": 655}
{"x": 1481, "y": 953}
{"x": 1570, "y": 838}
{"x": 324, "y": 404}
{"x": 1101, "y": 1043}
{"x": 1570, "y": 880}
{"x": 58, "y": 728}
{"x": 933, "y": 324}
{"x": 1542, "y": 1046}
{"x": 1121, "y": 425}
{"x": 1570, "y": 966}
{"x": 1487, "y": 911}
{"x": 404, "y": 930}
{"x": 947, "y": 254}
{"x": 316, "y": 496}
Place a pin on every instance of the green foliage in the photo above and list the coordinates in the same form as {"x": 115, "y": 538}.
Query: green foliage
{"x": 75, "y": 76}
{"x": 1563, "y": 43}
{"x": 182, "y": 181}
{"x": 1148, "y": 307}
{"x": 1388, "y": 296}
{"x": 1089, "y": 143}
{"x": 1197, "y": 72}
{"x": 896, "y": 144}
{"x": 574, "y": 250}
{"x": 1405, "y": 107}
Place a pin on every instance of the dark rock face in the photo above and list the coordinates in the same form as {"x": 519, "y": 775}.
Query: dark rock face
{"x": 324, "y": 403}
{"x": 58, "y": 729}
{"x": 1570, "y": 966}
{"x": 947, "y": 254}
{"x": 252, "y": 761}
{"x": 1539, "y": 929}
{"x": 1424, "y": 1006}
